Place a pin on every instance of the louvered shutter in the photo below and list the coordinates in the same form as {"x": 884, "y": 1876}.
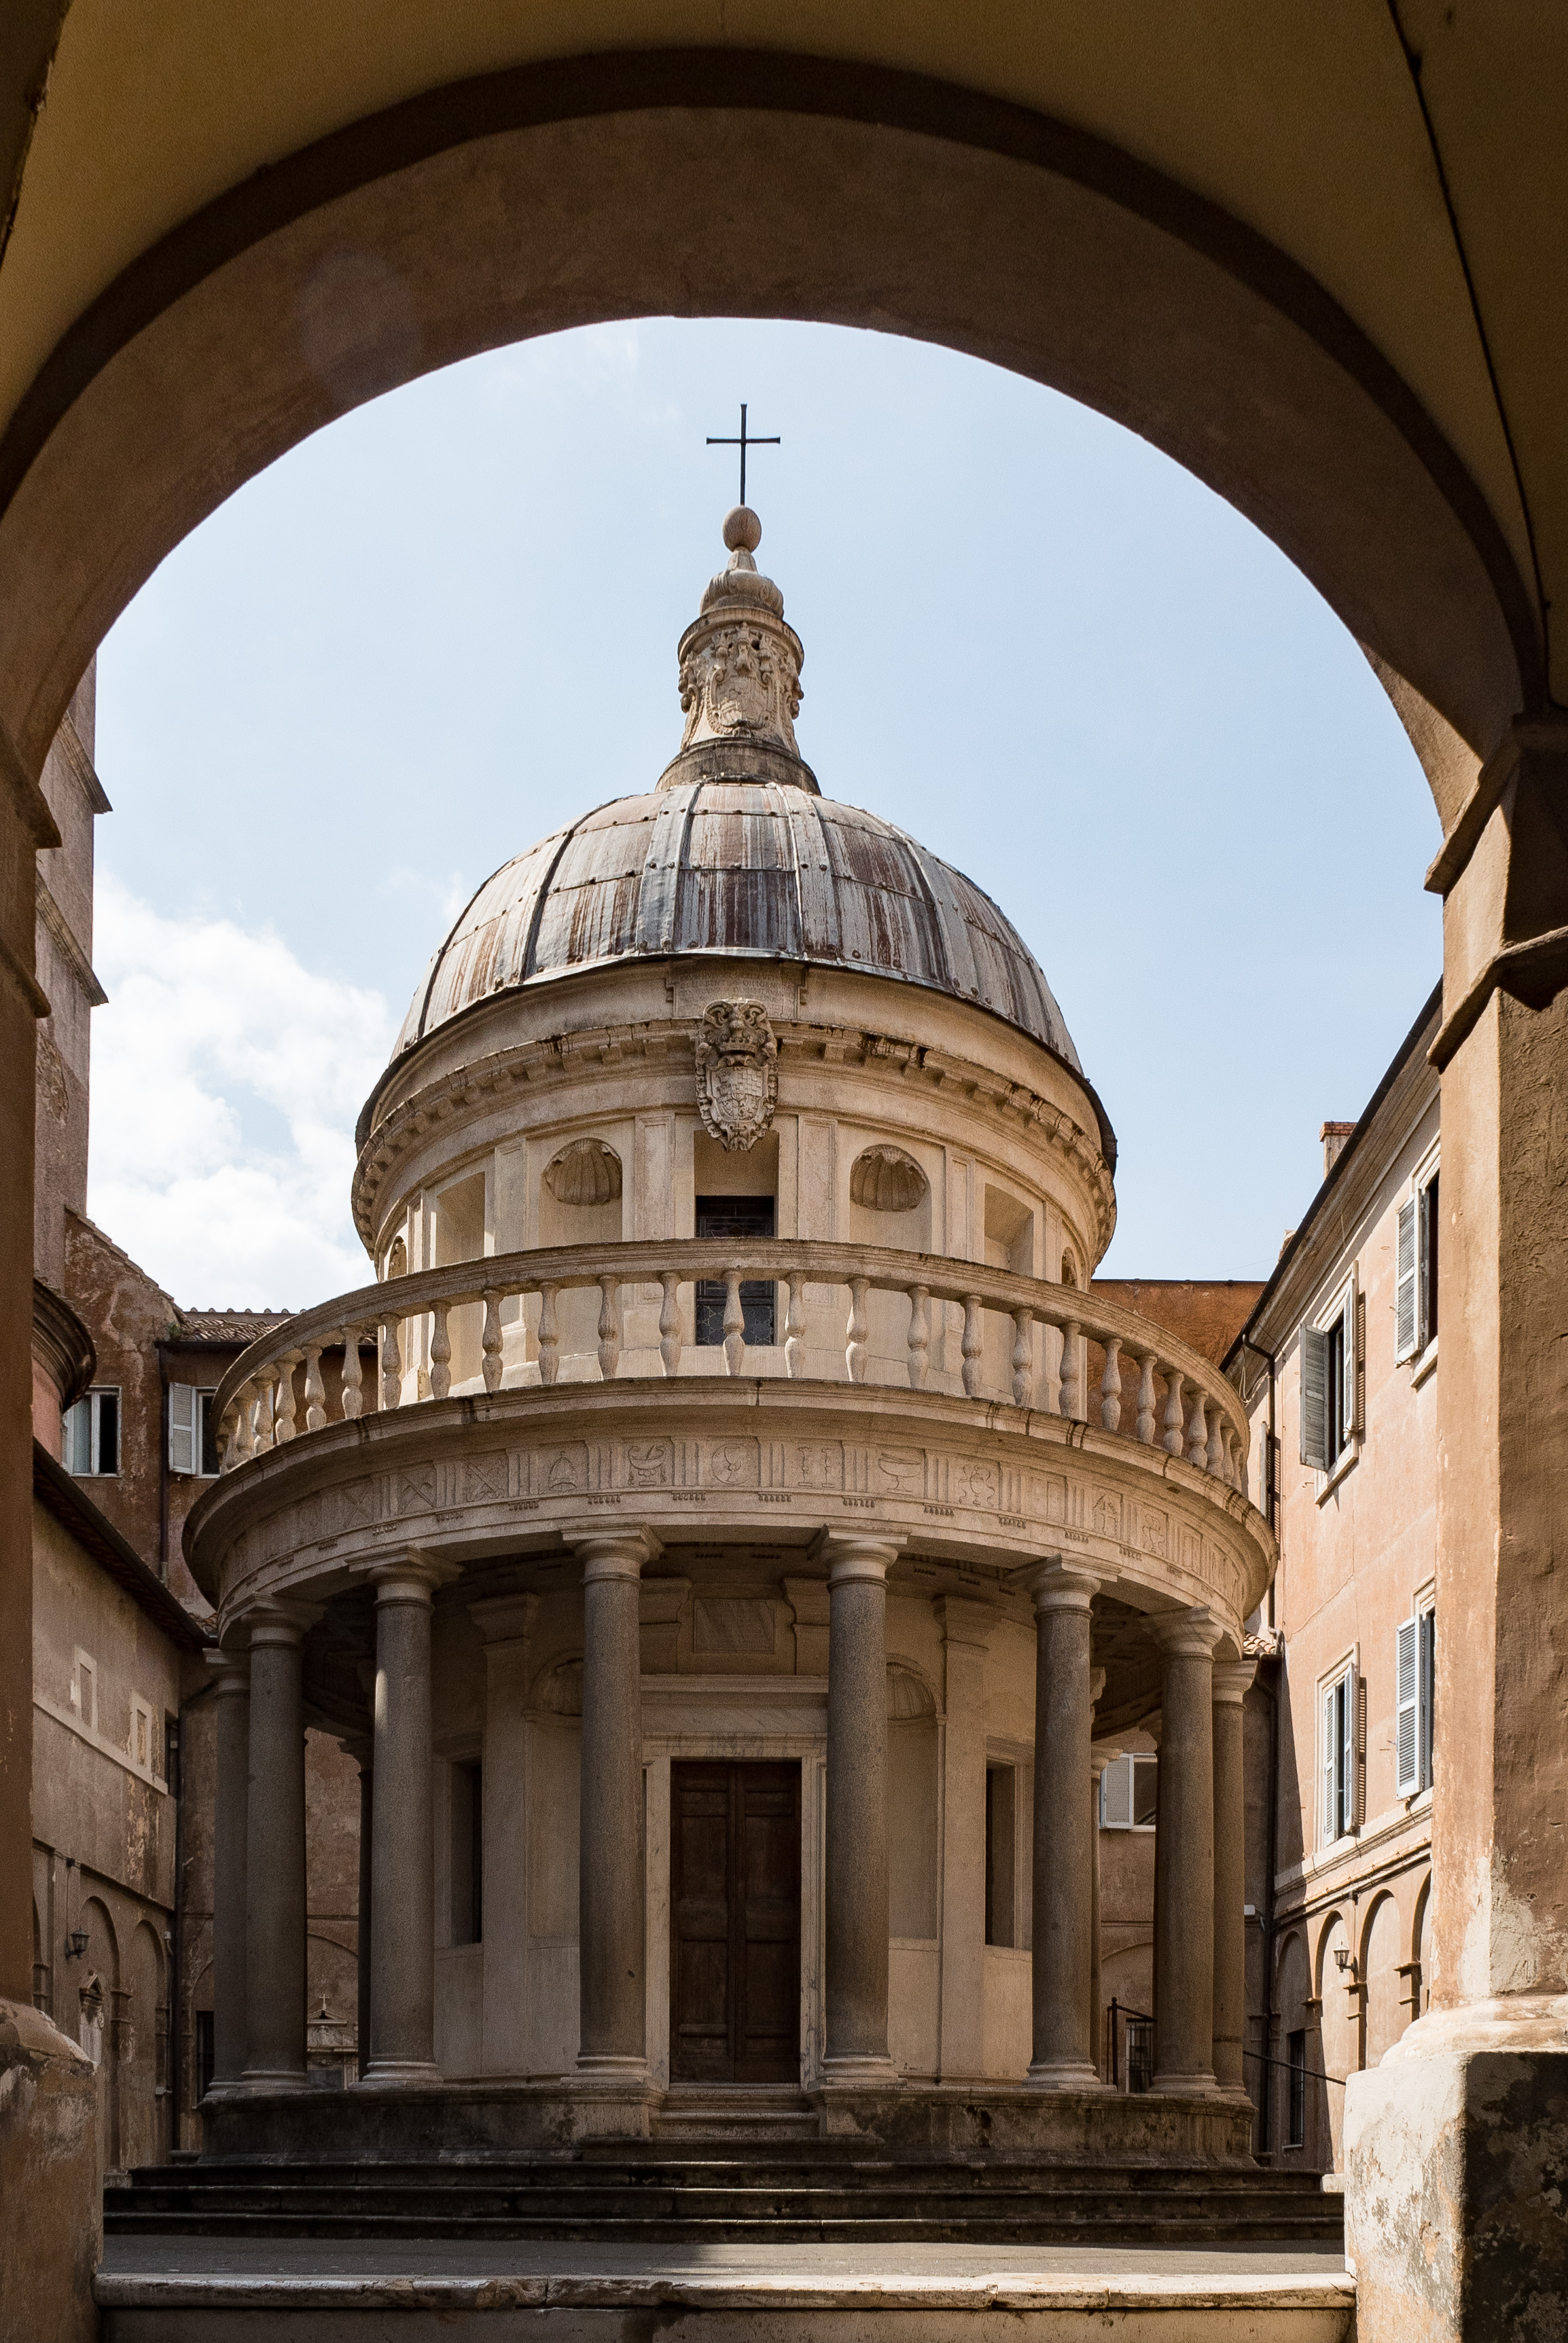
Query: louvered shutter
{"x": 1407, "y": 1707}
{"x": 1348, "y": 1753}
{"x": 1351, "y": 1418}
{"x": 1406, "y": 1283}
{"x": 1425, "y": 1681}
{"x": 1331, "y": 1825}
{"x": 183, "y": 1456}
{"x": 1315, "y": 1398}
{"x": 1116, "y": 1794}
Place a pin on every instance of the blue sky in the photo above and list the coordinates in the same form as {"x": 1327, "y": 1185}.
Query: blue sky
{"x": 448, "y": 621}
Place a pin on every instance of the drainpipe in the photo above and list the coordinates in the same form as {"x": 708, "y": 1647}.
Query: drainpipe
{"x": 177, "y": 1996}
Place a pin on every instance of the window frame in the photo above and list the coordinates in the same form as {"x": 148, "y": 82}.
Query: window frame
{"x": 1338, "y": 1751}
{"x": 1125, "y": 1764}
{"x": 91, "y": 1400}
{"x": 1330, "y": 1384}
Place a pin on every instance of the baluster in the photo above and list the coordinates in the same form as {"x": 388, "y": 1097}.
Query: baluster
{"x": 734, "y": 1323}
{"x": 314, "y": 1389}
{"x": 490, "y": 1341}
{"x": 284, "y": 1427}
{"x": 855, "y": 1332}
{"x": 608, "y": 1328}
{"x": 1023, "y": 1358}
{"x": 1197, "y": 1430}
{"x": 1110, "y": 1385}
{"x": 264, "y": 1414}
{"x": 1173, "y": 1413}
{"x": 550, "y": 1337}
{"x": 1215, "y": 1457}
{"x": 227, "y": 1434}
{"x": 669, "y": 1322}
{"x": 1050, "y": 1383}
{"x": 440, "y": 1351}
{"x": 973, "y": 1343}
{"x": 391, "y": 1366}
{"x": 920, "y": 1336}
{"x": 1146, "y": 1397}
{"x": 353, "y": 1375}
{"x": 244, "y": 1431}
{"x": 1071, "y": 1371}
{"x": 795, "y": 1326}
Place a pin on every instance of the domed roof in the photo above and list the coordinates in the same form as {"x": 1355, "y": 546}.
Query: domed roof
{"x": 736, "y": 854}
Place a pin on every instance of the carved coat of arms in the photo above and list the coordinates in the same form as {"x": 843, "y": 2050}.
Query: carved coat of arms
{"x": 737, "y": 1076}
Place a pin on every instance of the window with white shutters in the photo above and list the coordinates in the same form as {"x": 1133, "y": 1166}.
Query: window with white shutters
{"x": 1315, "y": 1397}
{"x": 1129, "y": 1792}
{"x": 1406, "y": 1294}
{"x": 1350, "y": 1366}
{"x": 1426, "y": 1679}
{"x": 1407, "y": 1722}
{"x": 1337, "y": 1756}
{"x": 91, "y": 1435}
{"x": 191, "y": 1445}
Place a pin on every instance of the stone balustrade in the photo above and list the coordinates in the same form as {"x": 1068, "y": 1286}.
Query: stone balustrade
{"x": 1150, "y": 1389}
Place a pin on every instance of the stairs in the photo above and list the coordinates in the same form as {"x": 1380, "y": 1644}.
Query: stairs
{"x": 690, "y": 2192}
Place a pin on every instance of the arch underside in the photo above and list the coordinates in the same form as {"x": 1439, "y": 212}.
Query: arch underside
{"x": 727, "y": 184}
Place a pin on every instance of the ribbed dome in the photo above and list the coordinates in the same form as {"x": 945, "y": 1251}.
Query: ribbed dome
{"x": 736, "y": 852}
{"x": 735, "y": 867}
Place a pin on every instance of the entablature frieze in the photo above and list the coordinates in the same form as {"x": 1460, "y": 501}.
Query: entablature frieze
{"x": 526, "y": 1471}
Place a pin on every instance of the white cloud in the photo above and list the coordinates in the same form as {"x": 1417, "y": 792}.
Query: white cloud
{"x": 226, "y": 1079}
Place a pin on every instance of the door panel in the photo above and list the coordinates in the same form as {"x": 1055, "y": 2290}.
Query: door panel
{"x": 735, "y": 1923}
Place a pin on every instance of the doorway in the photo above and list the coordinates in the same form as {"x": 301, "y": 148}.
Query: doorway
{"x": 734, "y": 1923}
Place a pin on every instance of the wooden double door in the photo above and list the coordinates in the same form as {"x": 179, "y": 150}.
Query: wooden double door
{"x": 735, "y": 1923}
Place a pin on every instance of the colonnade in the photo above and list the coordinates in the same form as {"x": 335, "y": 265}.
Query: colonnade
{"x": 260, "y": 1922}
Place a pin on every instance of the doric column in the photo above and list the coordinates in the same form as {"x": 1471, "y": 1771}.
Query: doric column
{"x": 1099, "y": 1759}
{"x": 505, "y": 1622}
{"x": 1185, "y": 1857}
{"x": 1231, "y": 1679}
{"x": 230, "y": 1817}
{"x": 856, "y": 1854}
{"x": 967, "y": 1629}
{"x": 1063, "y": 1884}
{"x": 363, "y": 1751}
{"x": 274, "y": 1849}
{"x": 612, "y": 1886}
{"x": 402, "y": 1832}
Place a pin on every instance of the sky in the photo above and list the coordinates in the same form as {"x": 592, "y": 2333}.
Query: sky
{"x": 447, "y": 622}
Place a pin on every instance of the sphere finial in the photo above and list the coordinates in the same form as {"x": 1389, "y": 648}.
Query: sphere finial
{"x": 742, "y": 529}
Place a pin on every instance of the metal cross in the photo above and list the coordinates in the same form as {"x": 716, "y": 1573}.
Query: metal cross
{"x": 746, "y": 440}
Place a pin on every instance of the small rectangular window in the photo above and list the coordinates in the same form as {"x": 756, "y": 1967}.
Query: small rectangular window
{"x": 468, "y": 1854}
{"x": 1000, "y": 1821}
{"x": 1427, "y": 1251}
{"x": 92, "y": 1434}
{"x": 1338, "y": 1756}
{"x": 84, "y": 1691}
{"x": 1129, "y": 1792}
{"x": 192, "y": 1434}
{"x": 1296, "y": 2094}
{"x": 726, "y": 1217}
{"x": 206, "y": 1435}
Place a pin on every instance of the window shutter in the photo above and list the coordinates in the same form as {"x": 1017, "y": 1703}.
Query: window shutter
{"x": 183, "y": 1457}
{"x": 77, "y": 1444}
{"x": 1116, "y": 1794}
{"x": 1407, "y": 1703}
{"x": 1426, "y": 1306}
{"x": 1348, "y": 1753}
{"x": 1352, "y": 1415}
{"x": 1330, "y": 1757}
{"x": 1315, "y": 1398}
{"x": 1426, "y": 1678}
{"x": 1406, "y": 1280}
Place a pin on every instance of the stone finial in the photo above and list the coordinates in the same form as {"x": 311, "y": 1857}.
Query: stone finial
{"x": 739, "y": 662}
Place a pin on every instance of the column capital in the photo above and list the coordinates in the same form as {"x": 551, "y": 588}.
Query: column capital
{"x": 278, "y": 1620}
{"x": 412, "y": 1577}
{"x": 616, "y": 1553}
{"x": 1059, "y": 1585}
{"x": 1185, "y": 1635}
{"x": 231, "y": 1670}
{"x": 1233, "y": 1679}
{"x": 1100, "y": 1755}
{"x": 852, "y": 1555}
{"x": 1096, "y": 1685}
{"x": 505, "y": 1618}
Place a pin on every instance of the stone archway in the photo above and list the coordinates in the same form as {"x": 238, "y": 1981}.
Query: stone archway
{"x": 789, "y": 187}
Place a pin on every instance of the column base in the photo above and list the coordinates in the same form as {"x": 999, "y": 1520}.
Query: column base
{"x": 398, "y": 2074}
{"x": 854, "y": 2072}
{"x": 1063, "y": 2074}
{"x": 1455, "y": 2146}
{"x": 270, "y": 2079}
{"x": 1187, "y": 2086}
